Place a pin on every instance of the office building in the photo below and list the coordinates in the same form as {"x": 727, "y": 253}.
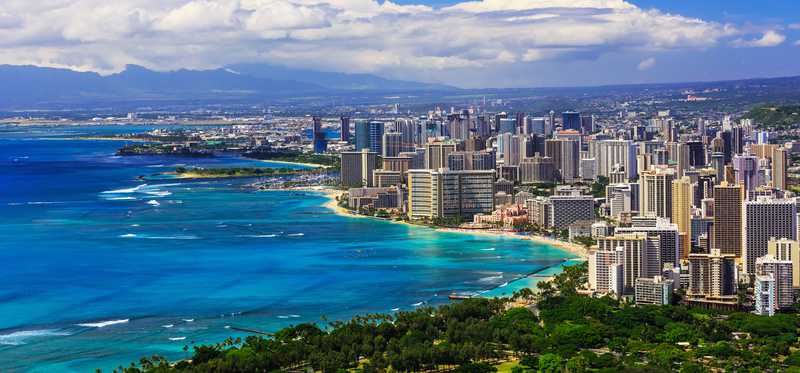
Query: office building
{"x": 344, "y": 130}
{"x": 571, "y": 120}
{"x": 746, "y": 170}
{"x": 764, "y": 219}
{"x": 369, "y": 135}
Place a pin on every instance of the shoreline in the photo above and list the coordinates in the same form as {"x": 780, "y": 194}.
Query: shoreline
{"x": 575, "y": 252}
{"x": 312, "y": 165}
{"x": 333, "y": 194}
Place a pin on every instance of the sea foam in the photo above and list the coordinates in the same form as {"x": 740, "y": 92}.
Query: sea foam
{"x": 103, "y": 324}
{"x": 21, "y": 337}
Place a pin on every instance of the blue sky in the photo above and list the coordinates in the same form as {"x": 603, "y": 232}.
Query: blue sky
{"x": 488, "y": 43}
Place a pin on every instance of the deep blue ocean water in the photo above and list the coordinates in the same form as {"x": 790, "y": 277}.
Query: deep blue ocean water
{"x": 100, "y": 268}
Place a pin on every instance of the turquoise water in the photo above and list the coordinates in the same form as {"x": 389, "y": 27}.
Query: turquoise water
{"x": 101, "y": 268}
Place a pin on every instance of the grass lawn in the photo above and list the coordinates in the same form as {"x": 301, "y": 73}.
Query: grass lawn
{"x": 506, "y": 367}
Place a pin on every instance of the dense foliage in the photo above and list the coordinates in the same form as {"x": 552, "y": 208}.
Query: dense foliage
{"x": 566, "y": 332}
{"x": 775, "y": 117}
{"x": 237, "y": 171}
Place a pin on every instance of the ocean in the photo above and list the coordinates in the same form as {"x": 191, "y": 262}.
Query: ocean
{"x": 100, "y": 268}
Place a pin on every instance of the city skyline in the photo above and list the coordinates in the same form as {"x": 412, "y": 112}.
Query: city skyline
{"x": 465, "y": 44}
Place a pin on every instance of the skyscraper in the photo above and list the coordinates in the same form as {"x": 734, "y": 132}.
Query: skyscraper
{"x": 766, "y": 218}
{"x": 656, "y": 192}
{"x": 610, "y": 153}
{"x": 436, "y": 154}
{"x": 781, "y": 272}
{"x": 779, "y": 162}
{"x": 435, "y": 194}
{"x": 369, "y": 135}
{"x": 681, "y": 212}
{"x": 319, "y": 142}
{"x": 727, "y": 228}
{"x": 712, "y": 276}
{"x": 392, "y": 144}
{"x": 786, "y": 249}
{"x": 358, "y": 167}
{"x": 566, "y": 156}
{"x": 345, "y": 128}
{"x": 571, "y": 120}
{"x": 746, "y": 170}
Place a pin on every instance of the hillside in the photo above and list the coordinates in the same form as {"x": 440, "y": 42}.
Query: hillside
{"x": 775, "y": 117}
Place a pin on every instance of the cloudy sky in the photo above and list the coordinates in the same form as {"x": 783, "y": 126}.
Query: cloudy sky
{"x": 489, "y": 43}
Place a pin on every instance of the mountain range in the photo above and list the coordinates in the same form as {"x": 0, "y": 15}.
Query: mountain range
{"x": 32, "y": 85}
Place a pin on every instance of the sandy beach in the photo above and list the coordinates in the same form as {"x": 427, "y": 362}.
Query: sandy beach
{"x": 332, "y": 203}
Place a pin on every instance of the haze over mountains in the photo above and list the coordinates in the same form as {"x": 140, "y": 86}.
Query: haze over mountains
{"x": 32, "y": 85}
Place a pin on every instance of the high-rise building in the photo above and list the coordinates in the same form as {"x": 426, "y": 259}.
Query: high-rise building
{"x": 345, "y": 128}
{"x": 610, "y": 153}
{"x": 665, "y": 235}
{"x": 779, "y": 162}
{"x": 727, "y": 228}
{"x": 369, "y": 135}
{"x": 622, "y": 198}
{"x": 656, "y": 192}
{"x": 786, "y": 249}
{"x": 682, "y": 212}
{"x": 712, "y": 276}
{"x": 357, "y": 168}
{"x": 436, "y": 154}
{"x": 508, "y": 125}
{"x": 566, "y": 156}
{"x": 571, "y": 120}
{"x": 766, "y": 218}
{"x": 781, "y": 272}
{"x": 537, "y": 170}
{"x": 319, "y": 142}
{"x": 601, "y": 262}
{"x": 569, "y": 209}
{"x": 443, "y": 193}
{"x": 746, "y": 170}
{"x": 697, "y": 154}
{"x": 655, "y": 291}
{"x": 392, "y": 144}
{"x": 637, "y": 254}
{"x": 764, "y": 295}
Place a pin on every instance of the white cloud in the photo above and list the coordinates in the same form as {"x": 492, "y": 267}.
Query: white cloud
{"x": 646, "y": 64}
{"x": 770, "y": 38}
{"x": 794, "y": 26}
{"x": 341, "y": 35}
